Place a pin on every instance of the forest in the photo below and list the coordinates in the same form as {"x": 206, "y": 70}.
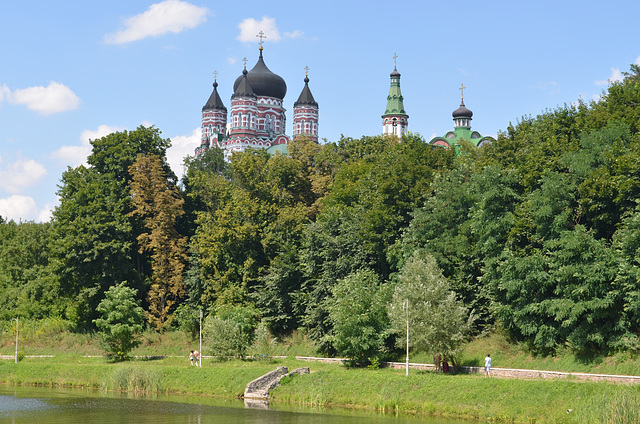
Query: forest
{"x": 537, "y": 234}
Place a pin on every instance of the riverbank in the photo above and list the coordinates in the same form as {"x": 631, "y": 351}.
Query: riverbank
{"x": 331, "y": 385}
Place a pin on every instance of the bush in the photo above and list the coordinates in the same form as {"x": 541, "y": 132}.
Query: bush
{"x": 225, "y": 339}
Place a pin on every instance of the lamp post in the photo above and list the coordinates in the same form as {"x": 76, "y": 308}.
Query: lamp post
{"x": 200, "y": 356}
{"x": 16, "y": 319}
{"x": 405, "y": 306}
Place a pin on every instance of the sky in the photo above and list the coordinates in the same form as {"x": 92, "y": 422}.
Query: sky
{"x": 74, "y": 71}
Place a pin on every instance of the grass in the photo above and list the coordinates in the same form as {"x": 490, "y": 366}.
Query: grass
{"x": 330, "y": 385}
{"x": 383, "y": 390}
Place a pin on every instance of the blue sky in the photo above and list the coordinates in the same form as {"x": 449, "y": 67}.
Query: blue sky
{"x": 71, "y": 71}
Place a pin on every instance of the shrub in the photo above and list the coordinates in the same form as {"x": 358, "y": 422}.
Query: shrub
{"x": 121, "y": 321}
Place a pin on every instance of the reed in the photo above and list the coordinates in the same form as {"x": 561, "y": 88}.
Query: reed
{"x": 134, "y": 379}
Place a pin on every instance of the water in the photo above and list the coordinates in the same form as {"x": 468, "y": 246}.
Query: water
{"x": 64, "y": 406}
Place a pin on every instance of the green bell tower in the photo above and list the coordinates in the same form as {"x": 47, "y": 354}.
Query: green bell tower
{"x": 395, "y": 120}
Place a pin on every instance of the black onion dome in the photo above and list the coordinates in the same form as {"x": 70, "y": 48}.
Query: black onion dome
{"x": 462, "y": 112}
{"x": 263, "y": 82}
{"x": 395, "y": 73}
{"x": 306, "y": 98}
{"x": 243, "y": 88}
{"x": 214, "y": 102}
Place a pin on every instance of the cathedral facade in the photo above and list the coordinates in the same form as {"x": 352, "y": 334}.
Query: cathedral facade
{"x": 256, "y": 118}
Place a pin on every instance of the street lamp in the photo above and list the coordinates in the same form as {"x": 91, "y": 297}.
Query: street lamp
{"x": 405, "y": 306}
{"x": 200, "y": 356}
{"x": 16, "y": 319}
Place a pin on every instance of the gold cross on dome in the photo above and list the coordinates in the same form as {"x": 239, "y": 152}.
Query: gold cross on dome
{"x": 261, "y": 35}
{"x": 462, "y": 87}
{"x": 245, "y": 62}
{"x": 215, "y": 75}
{"x": 306, "y": 69}
{"x": 395, "y": 56}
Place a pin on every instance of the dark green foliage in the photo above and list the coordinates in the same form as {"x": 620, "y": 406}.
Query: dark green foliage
{"x": 120, "y": 321}
{"x": 94, "y": 239}
{"x": 373, "y": 195}
{"x": 27, "y": 288}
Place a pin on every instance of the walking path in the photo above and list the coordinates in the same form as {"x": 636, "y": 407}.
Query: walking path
{"x": 495, "y": 372}
{"x": 501, "y": 372}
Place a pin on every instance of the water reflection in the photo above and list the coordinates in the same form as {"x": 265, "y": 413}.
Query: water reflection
{"x": 58, "y": 406}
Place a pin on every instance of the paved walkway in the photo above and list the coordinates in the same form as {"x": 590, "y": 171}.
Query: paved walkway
{"x": 495, "y": 372}
{"x": 502, "y": 372}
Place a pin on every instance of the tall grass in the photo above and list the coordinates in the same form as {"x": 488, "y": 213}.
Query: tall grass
{"x": 618, "y": 408}
{"x": 134, "y": 379}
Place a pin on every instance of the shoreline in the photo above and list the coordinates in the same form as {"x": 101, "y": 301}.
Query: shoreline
{"x": 378, "y": 391}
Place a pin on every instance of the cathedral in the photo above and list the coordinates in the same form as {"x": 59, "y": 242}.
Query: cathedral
{"x": 256, "y": 118}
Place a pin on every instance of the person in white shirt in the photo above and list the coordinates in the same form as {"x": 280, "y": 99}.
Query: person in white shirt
{"x": 487, "y": 366}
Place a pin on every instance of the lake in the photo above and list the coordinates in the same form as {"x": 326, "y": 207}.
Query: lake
{"x": 73, "y": 406}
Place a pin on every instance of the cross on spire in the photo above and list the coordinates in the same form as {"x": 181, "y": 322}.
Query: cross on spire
{"x": 245, "y": 62}
{"x": 215, "y": 75}
{"x": 261, "y": 35}
{"x": 395, "y": 56}
{"x": 306, "y": 71}
{"x": 462, "y": 87}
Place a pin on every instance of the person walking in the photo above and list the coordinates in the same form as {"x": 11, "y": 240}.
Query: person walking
{"x": 196, "y": 356}
{"x": 487, "y": 366}
{"x": 192, "y": 357}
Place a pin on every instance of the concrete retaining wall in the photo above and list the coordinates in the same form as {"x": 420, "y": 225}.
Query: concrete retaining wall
{"x": 520, "y": 373}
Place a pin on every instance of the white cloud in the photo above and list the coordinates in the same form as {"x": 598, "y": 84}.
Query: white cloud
{"x": 545, "y": 85}
{"x": 20, "y": 174}
{"x": 54, "y": 98}
{"x": 249, "y": 29}
{"x": 45, "y": 213}
{"x": 18, "y": 208}
{"x": 616, "y": 76}
{"x": 231, "y": 60}
{"x": 76, "y": 155}
{"x": 181, "y": 147}
{"x": 638, "y": 61}
{"x": 4, "y": 93}
{"x": 294, "y": 34}
{"x": 161, "y": 18}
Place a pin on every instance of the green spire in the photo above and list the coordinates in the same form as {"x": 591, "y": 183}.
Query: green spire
{"x": 395, "y": 106}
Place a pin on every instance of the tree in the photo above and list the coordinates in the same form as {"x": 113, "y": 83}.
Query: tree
{"x": 95, "y": 238}
{"x": 158, "y": 203}
{"x": 438, "y": 322}
{"x": 27, "y": 287}
{"x": 358, "y": 312}
{"x": 120, "y": 322}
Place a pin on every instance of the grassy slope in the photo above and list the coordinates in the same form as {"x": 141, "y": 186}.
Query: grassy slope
{"x": 330, "y": 385}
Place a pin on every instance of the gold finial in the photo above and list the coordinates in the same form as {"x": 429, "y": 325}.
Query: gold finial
{"x": 245, "y": 62}
{"x": 395, "y": 56}
{"x": 261, "y": 35}
{"x": 462, "y": 87}
{"x": 306, "y": 71}
{"x": 215, "y": 75}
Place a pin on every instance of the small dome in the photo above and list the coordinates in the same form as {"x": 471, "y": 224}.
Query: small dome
{"x": 462, "y": 112}
{"x": 395, "y": 73}
{"x": 263, "y": 82}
